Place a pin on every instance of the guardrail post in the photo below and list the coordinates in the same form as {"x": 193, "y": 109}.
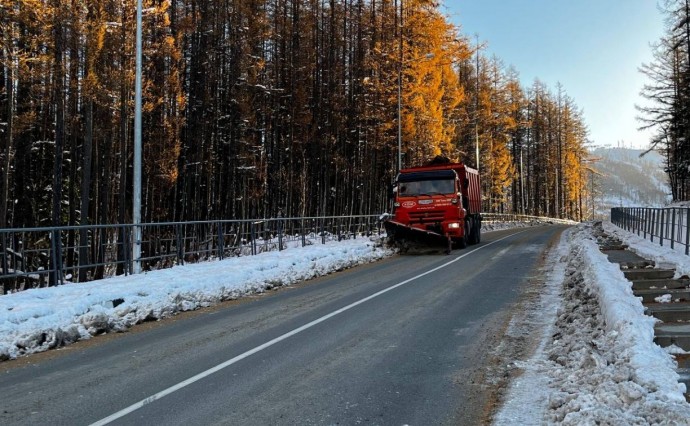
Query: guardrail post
{"x": 304, "y": 242}
{"x": 614, "y": 216}
{"x": 673, "y": 226}
{"x": 252, "y": 235}
{"x": 56, "y": 256}
{"x": 280, "y": 234}
{"x": 323, "y": 231}
{"x": 630, "y": 220}
{"x": 624, "y": 219}
{"x": 661, "y": 228}
{"x": 221, "y": 241}
{"x": 126, "y": 250}
{"x": 5, "y": 264}
{"x": 643, "y": 221}
{"x": 617, "y": 218}
{"x": 687, "y": 231}
{"x": 180, "y": 244}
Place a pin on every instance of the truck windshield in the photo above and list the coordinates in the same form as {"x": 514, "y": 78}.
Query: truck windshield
{"x": 427, "y": 187}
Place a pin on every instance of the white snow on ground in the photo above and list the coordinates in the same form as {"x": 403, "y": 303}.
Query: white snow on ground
{"x": 597, "y": 362}
{"x": 41, "y": 319}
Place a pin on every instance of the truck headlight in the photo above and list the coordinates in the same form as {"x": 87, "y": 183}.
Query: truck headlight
{"x": 396, "y": 204}
{"x": 454, "y": 225}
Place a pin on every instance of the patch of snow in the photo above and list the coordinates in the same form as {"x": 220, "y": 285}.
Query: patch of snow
{"x": 596, "y": 361}
{"x": 600, "y": 364}
{"x": 40, "y": 319}
{"x": 528, "y": 395}
{"x": 665, "y": 298}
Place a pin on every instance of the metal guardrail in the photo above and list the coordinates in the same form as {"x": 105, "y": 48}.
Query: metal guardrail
{"x": 37, "y": 257}
{"x": 670, "y": 224}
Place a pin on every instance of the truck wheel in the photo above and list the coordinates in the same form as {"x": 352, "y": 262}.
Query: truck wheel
{"x": 472, "y": 239}
{"x": 462, "y": 242}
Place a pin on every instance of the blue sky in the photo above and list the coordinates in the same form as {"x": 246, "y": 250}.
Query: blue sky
{"x": 592, "y": 47}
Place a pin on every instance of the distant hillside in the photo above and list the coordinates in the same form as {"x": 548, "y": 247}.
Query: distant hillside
{"x": 631, "y": 181}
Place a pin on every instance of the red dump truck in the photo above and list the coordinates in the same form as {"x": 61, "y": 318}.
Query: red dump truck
{"x": 436, "y": 205}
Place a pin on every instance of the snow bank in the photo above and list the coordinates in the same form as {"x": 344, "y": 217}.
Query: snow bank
{"x": 600, "y": 362}
{"x": 40, "y": 319}
{"x": 607, "y": 367}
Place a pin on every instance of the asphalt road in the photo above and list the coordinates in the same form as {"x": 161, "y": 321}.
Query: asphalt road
{"x": 400, "y": 341}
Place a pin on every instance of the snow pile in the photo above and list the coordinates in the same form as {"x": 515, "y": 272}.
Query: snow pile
{"x": 601, "y": 364}
{"x": 40, "y": 319}
{"x": 607, "y": 367}
{"x": 595, "y": 362}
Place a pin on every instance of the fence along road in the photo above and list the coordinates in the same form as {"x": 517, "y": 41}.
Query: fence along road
{"x": 37, "y": 257}
{"x": 670, "y": 225}
{"x": 399, "y": 341}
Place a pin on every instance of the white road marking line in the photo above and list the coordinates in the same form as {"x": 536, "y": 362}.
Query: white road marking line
{"x": 270, "y": 343}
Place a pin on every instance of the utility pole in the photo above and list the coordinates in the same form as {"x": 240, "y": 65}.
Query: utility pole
{"x": 400, "y": 65}
{"x": 476, "y": 111}
{"x": 136, "y": 192}
{"x": 522, "y": 183}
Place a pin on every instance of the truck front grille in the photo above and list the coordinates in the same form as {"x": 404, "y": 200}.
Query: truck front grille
{"x": 428, "y": 216}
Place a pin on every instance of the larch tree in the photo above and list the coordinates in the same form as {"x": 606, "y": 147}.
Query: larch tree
{"x": 255, "y": 108}
{"x": 668, "y": 95}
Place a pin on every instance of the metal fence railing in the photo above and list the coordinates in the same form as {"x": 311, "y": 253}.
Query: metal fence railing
{"x": 37, "y": 257}
{"x": 669, "y": 225}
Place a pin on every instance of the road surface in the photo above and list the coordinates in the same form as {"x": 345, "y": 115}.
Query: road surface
{"x": 400, "y": 341}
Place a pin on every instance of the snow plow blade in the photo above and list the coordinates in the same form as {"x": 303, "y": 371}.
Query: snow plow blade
{"x": 406, "y": 237}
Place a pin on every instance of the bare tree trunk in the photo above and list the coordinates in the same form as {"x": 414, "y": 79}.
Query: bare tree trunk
{"x": 7, "y": 285}
{"x": 86, "y": 193}
{"x": 59, "y": 100}
{"x": 8, "y": 146}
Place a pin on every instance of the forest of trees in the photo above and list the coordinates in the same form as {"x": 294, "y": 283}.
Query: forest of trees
{"x": 255, "y": 107}
{"x": 668, "y": 93}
